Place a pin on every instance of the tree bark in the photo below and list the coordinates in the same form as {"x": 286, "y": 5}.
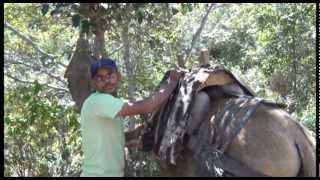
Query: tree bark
{"x": 128, "y": 65}
{"x": 78, "y": 70}
{"x": 293, "y": 57}
{"x": 99, "y": 42}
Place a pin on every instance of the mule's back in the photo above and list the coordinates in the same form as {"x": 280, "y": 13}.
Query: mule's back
{"x": 269, "y": 142}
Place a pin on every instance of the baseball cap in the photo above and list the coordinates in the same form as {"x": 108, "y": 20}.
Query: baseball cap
{"x": 103, "y": 62}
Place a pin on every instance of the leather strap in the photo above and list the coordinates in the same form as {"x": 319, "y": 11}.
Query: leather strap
{"x": 213, "y": 159}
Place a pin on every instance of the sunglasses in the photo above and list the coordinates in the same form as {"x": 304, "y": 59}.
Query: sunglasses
{"x": 105, "y": 78}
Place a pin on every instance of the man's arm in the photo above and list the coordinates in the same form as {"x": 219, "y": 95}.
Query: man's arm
{"x": 149, "y": 104}
{"x": 153, "y": 102}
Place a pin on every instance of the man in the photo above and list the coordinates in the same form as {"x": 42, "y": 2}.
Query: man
{"x": 101, "y": 125}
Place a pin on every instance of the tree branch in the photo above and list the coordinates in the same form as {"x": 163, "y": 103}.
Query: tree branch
{"x": 32, "y": 82}
{"x": 116, "y": 50}
{"x": 61, "y": 64}
{"x": 38, "y": 68}
{"x": 198, "y": 32}
{"x": 28, "y": 40}
{"x": 128, "y": 65}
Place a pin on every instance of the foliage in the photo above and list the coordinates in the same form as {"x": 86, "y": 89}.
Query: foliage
{"x": 42, "y": 137}
{"x": 276, "y": 39}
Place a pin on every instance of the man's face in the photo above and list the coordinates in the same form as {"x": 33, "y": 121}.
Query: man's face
{"x": 106, "y": 80}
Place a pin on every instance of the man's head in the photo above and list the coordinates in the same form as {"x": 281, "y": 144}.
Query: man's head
{"x": 105, "y": 76}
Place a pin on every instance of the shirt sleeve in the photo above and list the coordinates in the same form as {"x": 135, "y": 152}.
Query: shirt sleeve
{"x": 107, "y": 106}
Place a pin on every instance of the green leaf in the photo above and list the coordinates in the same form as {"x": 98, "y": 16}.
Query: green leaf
{"x": 152, "y": 45}
{"x": 75, "y": 20}
{"x": 7, "y": 120}
{"x": 174, "y": 10}
{"x": 37, "y": 87}
{"x": 184, "y": 8}
{"x": 85, "y": 25}
{"x": 44, "y": 8}
{"x": 65, "y": 154}
{"x": 53, "y": 12}
{"x": 189, "y": 7}
{"x": 60, "y": 5}
{"x": 118, "y": 17}
{"x": 140, "y": 17}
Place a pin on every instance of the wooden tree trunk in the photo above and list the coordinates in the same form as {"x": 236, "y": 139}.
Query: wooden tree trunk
{"x": 131, "y": 155}
{"x": 99, "y": 43}
{"x": 128, "y": 65}
{"x": 78, "y": 73}
{"x": 78, "y": 70}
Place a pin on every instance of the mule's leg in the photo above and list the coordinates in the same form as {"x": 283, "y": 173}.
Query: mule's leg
{"x": 199, "y": 111}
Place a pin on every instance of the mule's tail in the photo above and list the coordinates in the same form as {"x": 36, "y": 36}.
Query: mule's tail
{"x": 307, "y": 152}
